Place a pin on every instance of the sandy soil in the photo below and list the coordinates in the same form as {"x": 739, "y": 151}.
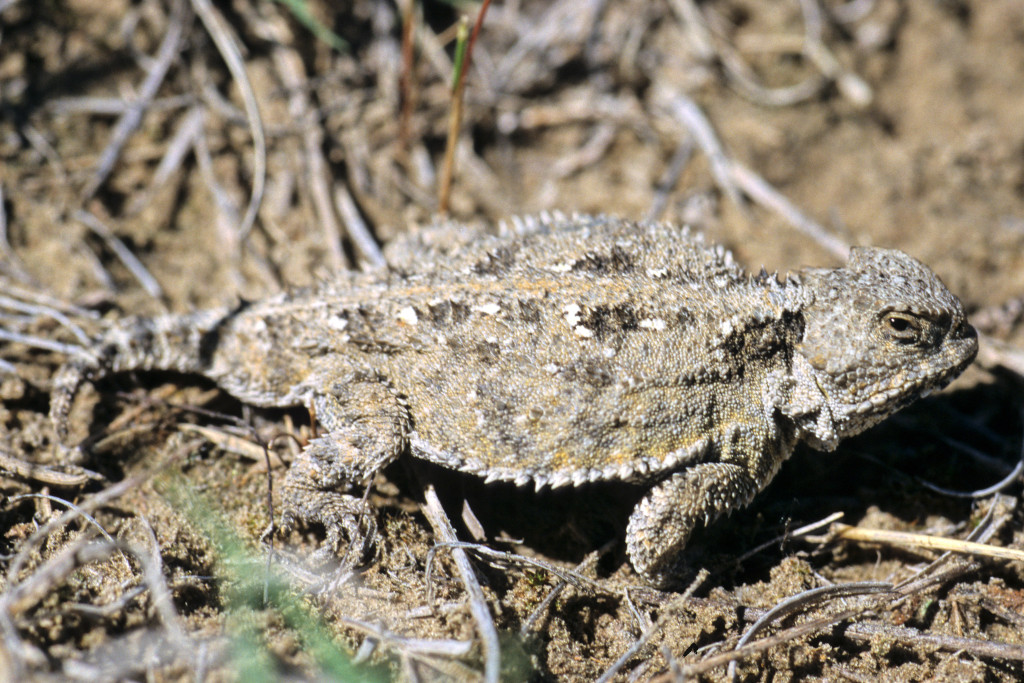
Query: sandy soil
{"x": 907, "y": 134}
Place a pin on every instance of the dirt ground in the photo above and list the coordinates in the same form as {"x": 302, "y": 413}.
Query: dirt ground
{"x": 129, "y": 161}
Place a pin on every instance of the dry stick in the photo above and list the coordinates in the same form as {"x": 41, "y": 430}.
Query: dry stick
{"x": 477, "y": 604}
{"x": 805, "y": 599}
{"x": 232, "y": 57}
{"x": 130, "y": 261}
{"x": 653, "y": 629}
{"x": 293, "y": 77}
{"x": 852, "y": 11}
{"x": 570, "y": 575}
{"x": 44, "y": 299}
{"x": 905, "y": 589}
{"x": 758, "y": 189}
{"x": 757, "y": 647}
{"x": 101, "y": 498}
{"x": 738, "y": 74}
{"x": 541, "y": 608}
{"x": 19, "y": 597}
{"x": 162, "y": 600}
{"x": 113, "y": 106}
{"x": 850, "y": 85}
{"x": 70, "y": 506}
{"x": 982, "y": 533}
{"x": 680, "y": 158}
{"x": 732, "y": 177}
{"x": 1000, "y": 317}
{"x": 796, "y": 533}
{"x": 109, "y": 609}
{"x": 42, "y": 146}
{"x": 44, "y": 474}
{"x": 19, "y": 655}
{"x": 414, "y": 646}
{"x": 356, "y": 227}
{"x": 41, "y": 343}
{"x": 695, "y": 27}
{"x": 915, "y": 639}
{"x": 590, "y": 152}
{"x": 132, "y": 117}
{"x": 687, "y": 112}
{"x": 226, "y": 211}
{"x": 36, "y": 311}
{"x": 180, "y": 145}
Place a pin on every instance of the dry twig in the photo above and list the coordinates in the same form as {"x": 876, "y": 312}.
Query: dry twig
{"x": 477, "y": 604}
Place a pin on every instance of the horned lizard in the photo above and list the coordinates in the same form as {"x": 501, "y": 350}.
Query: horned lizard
{"x": 566, "y": 351}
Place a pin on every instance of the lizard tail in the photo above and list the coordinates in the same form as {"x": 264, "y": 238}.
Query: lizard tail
{"x": 173, "y": 342}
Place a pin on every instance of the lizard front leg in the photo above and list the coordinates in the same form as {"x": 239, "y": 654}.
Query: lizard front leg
{"x": 662, "y": 522}
{"x": 367, "y": 427}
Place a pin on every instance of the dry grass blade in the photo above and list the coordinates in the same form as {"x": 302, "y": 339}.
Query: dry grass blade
{"x": 733, "y": 177}
{"x": 132, "y": 117}
{"x": 653, "y": 629}
{"x": 188, "y": 131}
{"x": 41, "y": 343}
{"x": 477, "y": 604}
{"x": 52, "y": 476}
{"x": 47, "y": 311}
{"x": 130, "y": 261}
{"x": 806, "y": 599}
{"x": 457, "y": 101}
{"x": 911, "y": 540}
{"x": 232, "y": 56}
{"x": 356, "y": 227}
{"x": 998, "y": 487}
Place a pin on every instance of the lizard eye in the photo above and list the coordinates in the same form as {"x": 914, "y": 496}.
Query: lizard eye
{"x": 902, "y": 328}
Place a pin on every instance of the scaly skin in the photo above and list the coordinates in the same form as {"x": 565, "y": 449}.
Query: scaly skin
{"x": 568, "y": 350}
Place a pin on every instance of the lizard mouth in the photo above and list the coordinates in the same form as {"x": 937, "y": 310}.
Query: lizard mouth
{"x": 959, "y": 350}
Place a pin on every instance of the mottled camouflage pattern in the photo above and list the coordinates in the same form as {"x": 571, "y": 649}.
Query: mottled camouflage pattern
{"x": 563, "y": 351}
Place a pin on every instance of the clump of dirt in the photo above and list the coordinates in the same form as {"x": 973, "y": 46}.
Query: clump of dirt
{"x": 130, "y": 158}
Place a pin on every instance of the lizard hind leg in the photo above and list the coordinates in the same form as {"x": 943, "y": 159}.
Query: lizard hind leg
{"x": 367, "y": 428}
{"x": 663, "y": 520}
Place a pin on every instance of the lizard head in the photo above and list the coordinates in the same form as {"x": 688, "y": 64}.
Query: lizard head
{"x": 882, "y": 331}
